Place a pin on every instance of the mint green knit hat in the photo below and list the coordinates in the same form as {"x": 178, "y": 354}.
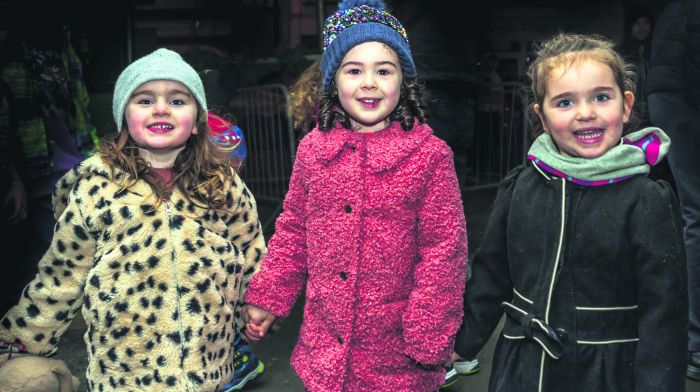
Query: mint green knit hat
{"x": 163, "y": 64}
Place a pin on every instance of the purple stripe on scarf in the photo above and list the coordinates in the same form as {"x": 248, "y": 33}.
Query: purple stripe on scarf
{"x": 558, "y": 173}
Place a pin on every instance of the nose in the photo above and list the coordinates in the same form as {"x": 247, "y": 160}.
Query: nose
{"x": 161, "y": 108}
{"x": 585, "y": 111}
{"x": 369, "y": 83}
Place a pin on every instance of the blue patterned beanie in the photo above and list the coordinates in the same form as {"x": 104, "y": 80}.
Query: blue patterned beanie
{"x": 357, "y": 22}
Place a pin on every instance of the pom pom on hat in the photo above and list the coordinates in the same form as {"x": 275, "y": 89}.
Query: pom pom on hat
{"x": 357, "y": 22}
{"x": 162, "y": 64}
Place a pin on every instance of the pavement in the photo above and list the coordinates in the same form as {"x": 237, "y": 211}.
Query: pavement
{"x": 276, "y": 349}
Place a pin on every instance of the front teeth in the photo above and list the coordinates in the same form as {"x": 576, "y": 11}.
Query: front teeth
{"x": 589, "y": 134}
{"x": 161, "y": 126}
{"x": 369, "y": 100}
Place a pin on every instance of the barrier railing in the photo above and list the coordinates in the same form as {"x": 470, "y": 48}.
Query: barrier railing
{"x": 261, "y": 112}
{"x": 500, "y": 140}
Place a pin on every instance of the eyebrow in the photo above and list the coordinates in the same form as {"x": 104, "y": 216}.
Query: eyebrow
{"x": 595, "y": 90}
{"x": 377, "y": 64}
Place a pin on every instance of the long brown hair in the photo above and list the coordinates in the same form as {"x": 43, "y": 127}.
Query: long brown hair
{"x": 201, "y": 171}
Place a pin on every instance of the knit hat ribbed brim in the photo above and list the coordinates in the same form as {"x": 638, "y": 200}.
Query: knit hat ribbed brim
{"x": 163, "y": 64}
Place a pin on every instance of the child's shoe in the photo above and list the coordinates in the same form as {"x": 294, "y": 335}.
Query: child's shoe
{"x": 460, "y": 367}
{"x": 246, "y": 367}
{"x": 465, "y": 367}
{"x": 451, "y": 377}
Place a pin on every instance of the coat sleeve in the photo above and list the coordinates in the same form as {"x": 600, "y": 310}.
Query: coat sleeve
{"x": 489, "y": 283}
{"x": 434, "y": 309}
{"x": 662, "y": 294}
{"x": 245, "y": 232}
{"x": 284, "y": 269}
{"x": 50, "y": 301}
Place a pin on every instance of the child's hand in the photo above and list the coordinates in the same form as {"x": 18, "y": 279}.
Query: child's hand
{"x": 258, "y": 322}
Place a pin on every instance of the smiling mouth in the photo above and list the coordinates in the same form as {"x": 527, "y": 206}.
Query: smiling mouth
{"x": 160, "y": 128}
{"x": 369, "y": 102}
{"x": 589, "y": 134}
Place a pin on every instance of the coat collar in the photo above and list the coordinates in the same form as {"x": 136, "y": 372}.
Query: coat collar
{"x": 385, "y": 149}
{"x": 139, "y": 193}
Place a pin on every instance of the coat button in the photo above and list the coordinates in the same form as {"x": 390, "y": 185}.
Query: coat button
{"x": 353, "y": 148}
{"x": 348, "y": 209}
{"x": 343, "y": 275}
{"x": 562, "y": 334}
{"x": 340, "y": 340}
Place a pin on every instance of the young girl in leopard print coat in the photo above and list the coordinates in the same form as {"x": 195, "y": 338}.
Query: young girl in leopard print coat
{"x": 155, "y": 239}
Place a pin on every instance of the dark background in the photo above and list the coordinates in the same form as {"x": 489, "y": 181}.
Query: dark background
{"x": 253, "y": 42}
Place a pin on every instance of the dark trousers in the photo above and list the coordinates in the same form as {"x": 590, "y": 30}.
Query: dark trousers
{"x": 41, "y": 223}
{"x": 670, "y": 112}
{"x": 23, "y": 245}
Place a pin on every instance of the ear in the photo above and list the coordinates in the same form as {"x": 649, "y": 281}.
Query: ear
{"x": 201, "y": 117}
{"x": 627, "y": 104}
{"x": 538, "y": 111}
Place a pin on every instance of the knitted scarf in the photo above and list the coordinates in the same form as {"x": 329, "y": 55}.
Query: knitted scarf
{"x": 635, "y": 154}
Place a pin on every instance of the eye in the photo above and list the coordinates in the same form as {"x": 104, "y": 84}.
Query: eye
{"x": 565, "y": 103}
{"x": 601, "y": 98}
{"x": 354, "y": 71}
{"x": 384, "y": 72}
{"x": 143, "y": 101}
{"x": 177, "y": 102}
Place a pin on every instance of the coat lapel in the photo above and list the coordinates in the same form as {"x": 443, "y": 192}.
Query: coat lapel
{"x": 388, "y": 148}
{"x": 328, "y": 144}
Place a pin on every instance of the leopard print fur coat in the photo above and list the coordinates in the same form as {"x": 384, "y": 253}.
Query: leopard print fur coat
{"x": 160, "y": 288}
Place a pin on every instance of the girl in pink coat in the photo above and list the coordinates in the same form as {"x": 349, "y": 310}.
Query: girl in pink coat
{"x": 373, "y": 224}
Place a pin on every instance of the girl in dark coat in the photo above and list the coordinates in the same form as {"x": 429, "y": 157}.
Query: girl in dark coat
{"x": 582, "y": 252}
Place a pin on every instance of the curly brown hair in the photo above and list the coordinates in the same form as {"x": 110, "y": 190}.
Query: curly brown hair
{"x": 567, "y": 49}
{"x": 411, "y": 107}
{"x": 304, "y": 97}
{"x": 201, "y": 170}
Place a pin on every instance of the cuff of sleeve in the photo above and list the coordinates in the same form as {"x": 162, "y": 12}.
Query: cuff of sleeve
{"x": 262, "y": 301}
{"x": 428, "y": 356}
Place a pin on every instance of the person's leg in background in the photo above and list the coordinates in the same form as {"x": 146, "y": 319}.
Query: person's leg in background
{"x": 682, "y": 123}
{"x": 12, "y": 235}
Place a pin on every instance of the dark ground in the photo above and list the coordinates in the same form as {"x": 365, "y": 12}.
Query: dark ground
{"x": 277, "y": 348}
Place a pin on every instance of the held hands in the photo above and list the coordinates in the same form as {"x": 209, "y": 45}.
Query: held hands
{"x": 258, "y": 322}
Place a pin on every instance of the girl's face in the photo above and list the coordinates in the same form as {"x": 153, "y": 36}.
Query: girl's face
{"x": 583, "y": 108}
{"x": 161, "y": 115}
{"x": 369, "y": 85}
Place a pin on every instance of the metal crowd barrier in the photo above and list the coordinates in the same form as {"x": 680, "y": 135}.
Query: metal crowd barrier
{"x": 499, "y": 143}
{"x": 261, "y": 112}
{"x": 500, "y": 139}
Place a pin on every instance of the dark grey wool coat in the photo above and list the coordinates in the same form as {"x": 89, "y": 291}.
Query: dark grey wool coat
{"x": 593, "y": 284}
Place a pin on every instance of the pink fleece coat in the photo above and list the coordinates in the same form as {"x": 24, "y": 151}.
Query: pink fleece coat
{"x": 373, "y": 223}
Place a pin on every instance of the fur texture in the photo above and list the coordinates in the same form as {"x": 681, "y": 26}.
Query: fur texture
{"x": 373, "y": 224}
{"x": 159, "y": 287}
